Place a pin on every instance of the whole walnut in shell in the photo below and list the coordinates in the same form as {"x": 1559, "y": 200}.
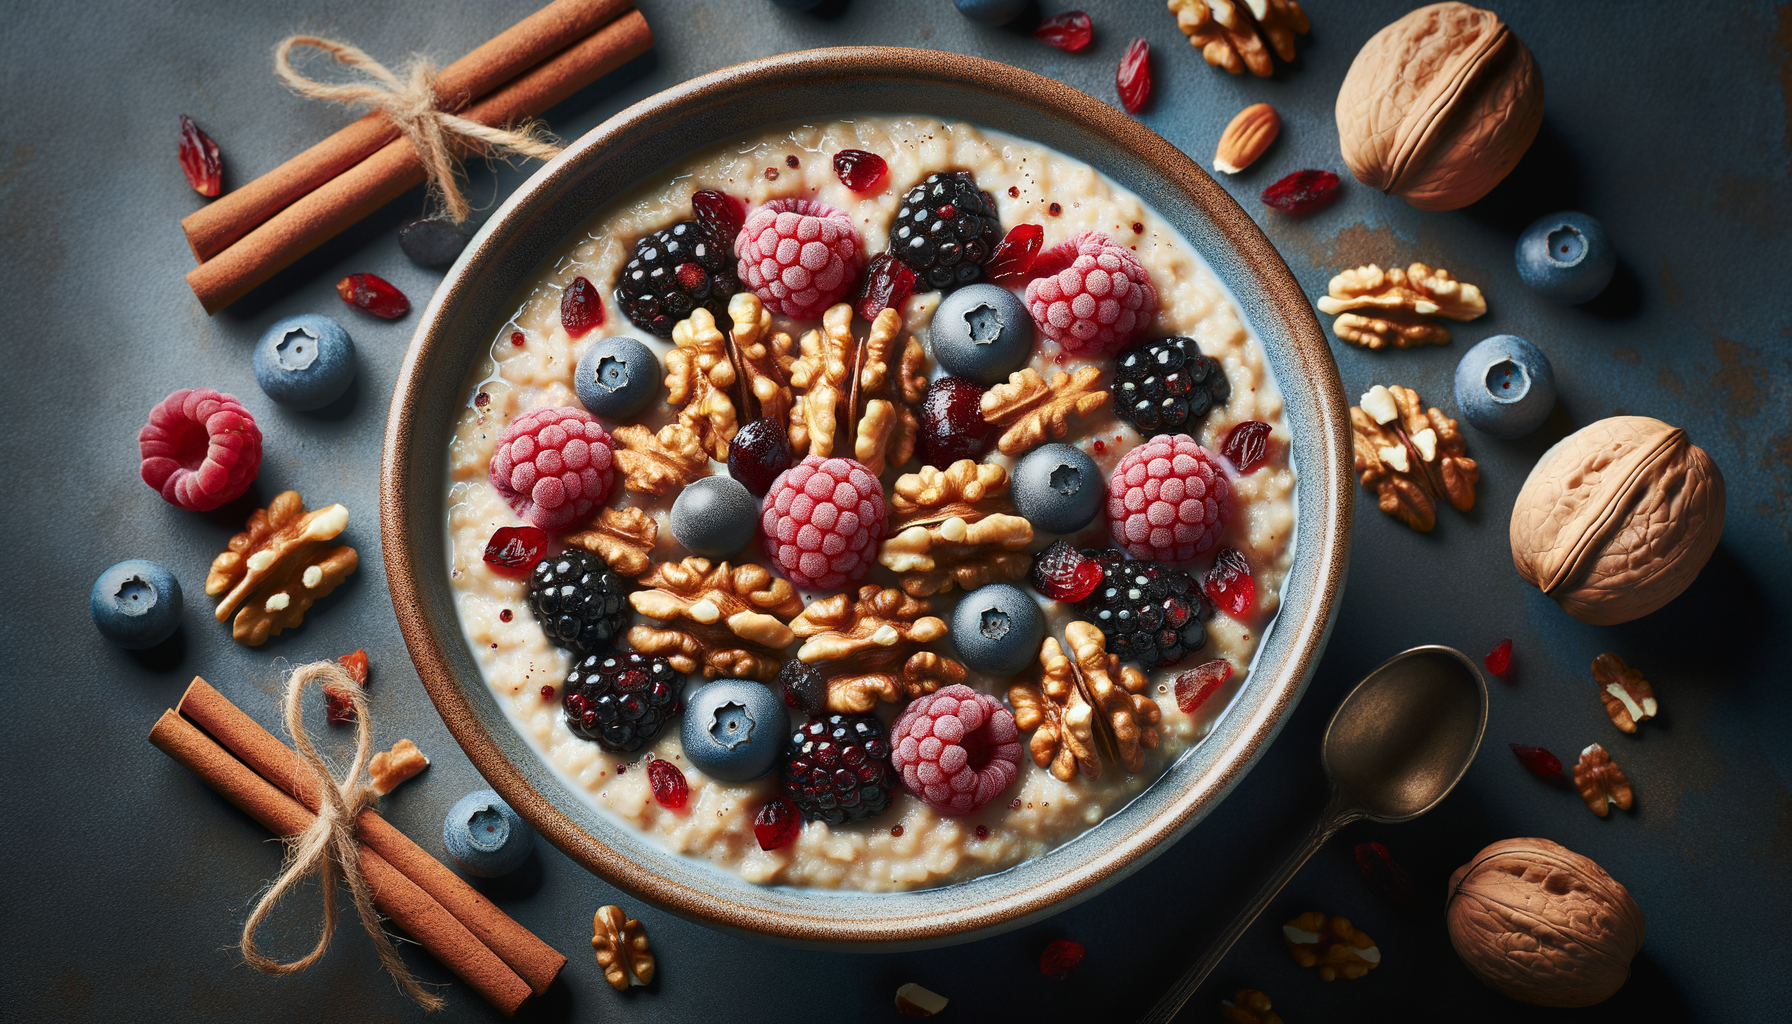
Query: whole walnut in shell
{"x": 1542, "y": 924}
{"x": 1439, "y": 106}
{"x": 1618, "y": 518}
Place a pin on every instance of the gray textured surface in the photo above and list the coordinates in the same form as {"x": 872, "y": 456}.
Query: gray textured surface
{"x": 127, "y": 880}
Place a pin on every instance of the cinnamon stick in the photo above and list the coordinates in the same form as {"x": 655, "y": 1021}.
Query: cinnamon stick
{"x": 334, "y": 206}
{"x": 397, "y": 897}
{"x": 536, "y": 961}
{"x": 213, "y": 227}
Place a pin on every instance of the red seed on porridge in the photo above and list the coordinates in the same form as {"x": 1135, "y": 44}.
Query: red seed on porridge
{"x": 517, "y": 339}
{"x": 506, "y": 615}
{"x": 792, "y": 161}
{"x": 547, "y": 693}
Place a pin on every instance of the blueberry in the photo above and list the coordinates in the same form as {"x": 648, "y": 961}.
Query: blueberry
{"x": 1566, "y": 257}
{"x": 136, "y": 604}
{"x": 714, "y": 516}
{"x": 991, "y": 12}
{"x": 485, "y": 837}
{"x": 1505, "y": 386}
{"x": 432, "y": 241}
{"x": 983, "y": 332}
{"x": 617, "y": 377}
{"x": 1058, "y": 488}
{"x": 997, "y": 630}
{"x": 734, "y": 729}
{"x": 305, "y": 362}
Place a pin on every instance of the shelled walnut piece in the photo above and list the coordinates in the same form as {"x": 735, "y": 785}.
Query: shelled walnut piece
{"x": 1035, "y": 411}
{"x": 1601, "y": 783}
{"x": 278, "y": 567}
{"x": 865, "y": 390}
{"x": 1627, "y": 696}
{"x": 955, "y": 527}
{"x": 391, "y": 767}
{"x": 863, "y": 646}
{"x": 659, "y": 463}
{"x": 1249, "y": 1006}
{"x": 1410, "y": 459}
{"x": 1227, "y": 31}
{"x": 622, "y": 537}
{"x": 723, "y": 620}
{"x": 1339, "y": 950}
{"x": 1377, "y": 308}
{"x": 1085, "y": 704}
{"x": 622, "y": 950}
{"x": 720, "y": 381}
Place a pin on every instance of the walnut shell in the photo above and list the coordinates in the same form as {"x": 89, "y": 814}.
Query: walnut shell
{"x": 1542, "y": 924}
{"x": 1439, "y": 106}
{"x": 1617, "y": 518}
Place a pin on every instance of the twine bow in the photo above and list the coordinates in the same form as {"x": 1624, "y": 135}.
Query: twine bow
{"x": 413, "y": 108}
{"x": 328, "y": 847}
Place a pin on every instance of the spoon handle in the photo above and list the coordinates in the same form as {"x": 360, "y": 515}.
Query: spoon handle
{"x": 1335, "y": 816}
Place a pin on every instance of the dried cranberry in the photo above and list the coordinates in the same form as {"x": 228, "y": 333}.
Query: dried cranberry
{"x": 1499, "y": 660}
{"x": 1015, "y": 255}
{"x": 355, "y": 665}
{"x": 792, "y": 161}
{"x": 1134, "y": 77}
{"x": 1229, "y": 584}
{"x": 1302, "y": 192}
{"x": 982, "y": 831}
{"x": 1061, "y": 956}
{"x": 777, "y": 824}
{"x": 888, "y": 281}
{"x": 373, "y": 294}
{"x": 1542, "y": 763}
{"x": 859, "y": 170}
{"x": 1063, "y": 573}
{"x": 669, "y": 787}
{"x": 1247, "y": 445}
{"x": 952, "y": 423}
{"x": 581, "y": 308}
{"x": 1070, "y": 31}
{"x": 514, "y": 550}
{"x": 1199, "y": 683}
{"x": 1383, "y": 873}
{"x": 199, "y": 159}
{"x": 721, "y": 213}
{"x": 547, "y": 692}
{"x": 339, "y": 709}
{"x": 758, "y": 453}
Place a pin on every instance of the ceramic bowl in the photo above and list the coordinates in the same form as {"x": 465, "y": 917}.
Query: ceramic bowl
{"x": 543, "y": 214}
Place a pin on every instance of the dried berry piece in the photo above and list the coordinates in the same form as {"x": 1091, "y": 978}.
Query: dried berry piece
{"x": 199, "y": 159}
{"x": 1542, "y": 763}
{"x": 952, "y": 423}
{"x": 758, "y": 453}
{"x": 1383, "y": 873}
{"x": 1063, "y": 573}
{"x": 1070, "y": 31}
{"x": 372, "y": 294}
{"x": 805, "y": 688}
{"x": 1134, "y": 77}
{"x": 514, "y": 550}
{"x": 1199, "y": 683}
{"x": 581, "y": 308}
{"x": 721, "y": 213}
{"x": 1229, "y": 584}
{"x": 777, "y": 824}
{"x": 1014, "y": 257}
{"x": 1061, "y": 956}
{"x": 338, "y": 708}
{"x": 1499, "y": 660}
{"x": 355, "y": 665}
{"x": 1247, "y": 445}
{"x": 1302, "y": 192}
{"x": 859, "y": 170}
{"x": 888, "y": 281}
{"x": 669, "y": 786}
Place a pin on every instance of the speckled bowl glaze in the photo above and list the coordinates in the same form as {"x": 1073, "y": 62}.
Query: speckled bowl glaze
{"x": 532, "y": 225}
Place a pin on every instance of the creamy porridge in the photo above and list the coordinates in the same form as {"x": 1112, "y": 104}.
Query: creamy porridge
{"x": 910, "y": 845}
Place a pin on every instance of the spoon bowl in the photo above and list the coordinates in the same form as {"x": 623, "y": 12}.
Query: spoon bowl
{"x": 1403, "y": 738}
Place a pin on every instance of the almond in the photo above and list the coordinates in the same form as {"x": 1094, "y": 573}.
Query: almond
{"x": 1246, "y": 138}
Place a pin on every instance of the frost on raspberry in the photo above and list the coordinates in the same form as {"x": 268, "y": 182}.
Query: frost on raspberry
{"x": 581, "y": 308}
{"x": 799, "y": 256}
{"x": 669, "y": 786}
{"x": 1061, "y": 956}
{"x": 777, "y": 824}
{"x": 1195, "y": 686}
{"x": 1100, "y": 301}
{"x": 1229, "y": 584}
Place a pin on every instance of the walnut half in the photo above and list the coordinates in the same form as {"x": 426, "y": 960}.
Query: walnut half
{"x": 621, "y": 946}
{"x": 720, "y": 619}
{"x": 1410, "y": 458}
{"x": 1377, "y": 308}
{"x": 864, "y": 647}
{"x": 278, "y": 567}
{"x": 1331, "y": 944}
{"x": 1627, "y": 696}
{"x": 955, "y": 528}
{"x": 1601, "y": 783}
{"x": 1083, "y": 704}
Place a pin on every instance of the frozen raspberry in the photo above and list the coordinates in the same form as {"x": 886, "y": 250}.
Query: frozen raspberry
{"x": 1168, "y": 500}
{"x": 822, "y": 521}
{"x": 1099, "y": 302}
{"x": 956, "y": 749}
{"x": 553, "y": 466}
{"x": 799, "y": 256}
{"x": 200, "y": 449}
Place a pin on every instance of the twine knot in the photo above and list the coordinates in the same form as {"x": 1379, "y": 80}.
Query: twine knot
{"x": 412, "y": 106}
{"x": 328, "y": 847}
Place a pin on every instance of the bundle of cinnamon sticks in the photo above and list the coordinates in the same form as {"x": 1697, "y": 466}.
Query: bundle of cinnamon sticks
{"x": 264, "y": 777}
{"x": 249, "y": 235}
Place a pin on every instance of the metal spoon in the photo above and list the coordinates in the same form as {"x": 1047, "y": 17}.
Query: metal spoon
{"x": 1395, "y": 748}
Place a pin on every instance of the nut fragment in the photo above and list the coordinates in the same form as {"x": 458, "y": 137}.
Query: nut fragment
{"x": 662, "y": 463}
{"x": 1033, "y": 411}
{"x": 1249, "y": 1006}
{"x": 1627, "y": 696}
{"x": 955, "y": 528}
{"x": 868, "y": 389}
{"x": 278, "y": 567}
{"x": 865, "y": 645}
{"x": 700, "y": 378}
{"x": 722, "y": 619}
{"x": 761, "y": 358}
{"x": 1247, "y": 138}
{"x": 391, "y": 767}
{"x": 1124, "y": 716}
{"x": 1227, "y": 31}
{"x": 621, "y": 946}
{"x": 622, "y": 537}
{"x": 1410, "y": 459}
{"x": 1060, "y": 718}
{"x": 914, "y": 1001}
{"x": 1377, "y": 308}
{"x": 1339, "y": 950}
{"x": 1601, "y": 783}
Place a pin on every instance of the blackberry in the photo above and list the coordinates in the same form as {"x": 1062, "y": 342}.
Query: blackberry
{"x": 805, "y": 688}
{"x": 621, "y": 699}
{"x": 837, "y": 769}
{"x": 581, "y": 605}
{"x": 945, "y": 229}
{"x": 1151, "y": 613}
{"x": 674, "y": 271}
{"x": 1163, "y": 386}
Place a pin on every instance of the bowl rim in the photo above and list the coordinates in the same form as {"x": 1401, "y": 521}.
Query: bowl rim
{"x": 1247, "y": 732}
